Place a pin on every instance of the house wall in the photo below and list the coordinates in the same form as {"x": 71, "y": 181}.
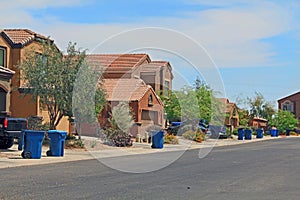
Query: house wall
{"x": 137, "y": 107}
{"x": 154, "y": 76}
{"x": 22, "y": 106}
{"x": 63, "y": 125}
{"x": 5, "y": 84}
{"x": 295, "y": 99}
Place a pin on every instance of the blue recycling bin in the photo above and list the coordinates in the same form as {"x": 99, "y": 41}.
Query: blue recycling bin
{"x": 57, "y": 142}
{"x": 240, "y": 134}
{"x": 259, "y": 133}
{"x": 274, "y": 132}
{"x": 32, "y": 144}
{"x": 287, "y": 132}
{"x": 158, "y": 140}
{"x": 248, "y": 134}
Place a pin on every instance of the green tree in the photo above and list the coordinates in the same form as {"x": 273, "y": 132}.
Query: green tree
{"x": 122, "y": 117}
{"x": 191, "y": 103}
{"x": 188, "y": 103}
{"x": 171, "y": 106}
{"x": 88, "y": 97}
{"x": 244, "y": 117}
{"x": 260, "y": 108}
{"x": 50, "y": 75}
{"x": 283, "y": 120}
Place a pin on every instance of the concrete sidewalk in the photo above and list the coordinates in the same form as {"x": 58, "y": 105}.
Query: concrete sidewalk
{"x": 96, "y": 149}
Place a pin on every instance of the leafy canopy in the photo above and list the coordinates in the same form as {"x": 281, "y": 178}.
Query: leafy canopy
{"x": 50, "y": 75}
{"x": 283, "y": 120}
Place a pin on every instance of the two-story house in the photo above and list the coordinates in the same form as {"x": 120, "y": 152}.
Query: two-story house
{"x": 13, "y": 45}
{"x": 291, "y": 103}
{"x": 138, "y": 80}
{"x": 158, "y": 74}
{"x": 231, "y": 113}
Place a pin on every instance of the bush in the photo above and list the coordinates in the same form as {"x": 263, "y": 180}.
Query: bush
{"x": 235, "y": 131}
{"x": 170, "y": 139}
{"x": 118, "y": 137}
{"x": 197, "y": 136}
{"x": 74, "y": 143}
{"x": 293, "y": 133}
{"x": 36, "y": 123}
{"x": 228, "y": 133}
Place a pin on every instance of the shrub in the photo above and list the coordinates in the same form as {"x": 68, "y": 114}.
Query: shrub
{"x": 170, "y": 139}
{"x": 228, "y": 133}
{"x": 293, "y": 133}
{"x": 36, "y": 123}
{"x": 197, "y": 136}
{"x": 74, "y": 143}
{"x": 118, "y": 137}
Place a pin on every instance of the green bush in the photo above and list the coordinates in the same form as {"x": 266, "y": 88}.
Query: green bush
{"x": 228, "y": 133}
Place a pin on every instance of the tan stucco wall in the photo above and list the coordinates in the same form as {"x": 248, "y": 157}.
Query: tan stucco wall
{"x": 63, "y": 125}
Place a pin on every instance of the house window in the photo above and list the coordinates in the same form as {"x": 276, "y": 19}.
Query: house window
{"x": 2, "y": 56}
{"x": 167, "y": 88}
{"x": 288, "y": 106}
{"x": 2, "y": 99}
{"x": 150, "y": 100}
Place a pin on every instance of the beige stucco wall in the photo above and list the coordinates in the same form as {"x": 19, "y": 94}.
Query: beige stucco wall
{"x": 63, "y": 125}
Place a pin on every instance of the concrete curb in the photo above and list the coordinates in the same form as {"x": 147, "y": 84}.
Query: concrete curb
{"x": 12, "y": 157}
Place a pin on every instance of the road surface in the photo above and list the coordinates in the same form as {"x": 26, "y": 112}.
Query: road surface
{"x": 267, "y": 170}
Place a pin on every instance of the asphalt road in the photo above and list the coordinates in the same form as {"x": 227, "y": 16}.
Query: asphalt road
{"x": 263, "y": 170}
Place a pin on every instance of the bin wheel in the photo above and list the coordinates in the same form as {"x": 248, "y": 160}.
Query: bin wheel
{"x": 26, "y": 155}
{"x": 48, "y": 153}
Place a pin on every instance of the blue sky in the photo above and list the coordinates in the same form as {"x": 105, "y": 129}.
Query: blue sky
{"x": 253, "y": 45}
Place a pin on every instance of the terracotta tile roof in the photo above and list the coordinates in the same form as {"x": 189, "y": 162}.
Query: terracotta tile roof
{"x": 125, "y": 89}
{"x": 259, "y": 119}
{"x": 20, "y": 37}
{"x": 229, "y": 105}
{"x": 118, "y": 63}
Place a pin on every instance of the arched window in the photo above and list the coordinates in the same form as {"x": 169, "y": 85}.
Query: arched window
{"x": 2, "y": 99}
{"x": 288, "y": 106}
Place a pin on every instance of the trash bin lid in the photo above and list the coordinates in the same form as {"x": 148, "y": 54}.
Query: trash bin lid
{"x": 60, "y": 132}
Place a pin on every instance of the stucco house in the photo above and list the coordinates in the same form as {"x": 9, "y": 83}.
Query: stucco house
{"x": 291, "y": 103}
{"x": 133, "y": 70}
{"x": 146, "y": 106}
{"x": 232, "y": 116}
{"x": 157, "y": 74}
{"x": 13, "y": 45}
{"x": 258, "y": 122}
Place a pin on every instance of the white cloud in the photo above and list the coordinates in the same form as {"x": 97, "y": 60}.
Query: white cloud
{"x": 232, "y": 35}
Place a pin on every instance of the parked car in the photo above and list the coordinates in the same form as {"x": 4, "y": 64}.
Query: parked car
{"x": 215, "y": 132}
{"x": 10, "y": 129}
{"x": 178, "y": 128}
